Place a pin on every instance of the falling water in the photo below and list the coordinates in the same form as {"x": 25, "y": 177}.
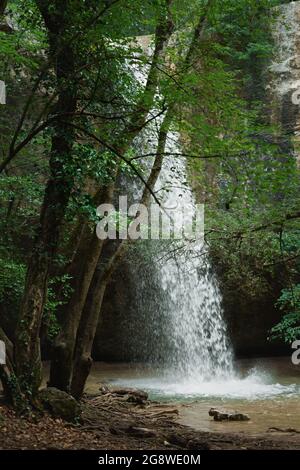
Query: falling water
{"x": 199, "y": 346}
{"x": 194, "y": 343}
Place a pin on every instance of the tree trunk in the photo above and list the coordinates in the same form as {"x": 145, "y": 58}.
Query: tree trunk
{"x": 157, "y": 165}
{"x": 57, "y": 193}
{"x": 62, "y": 358}
{"x": 81, "y": 271}
{"x": 8, "y": 377}
{"x": 112, "y": 253}
{"x": 28, "y": 357}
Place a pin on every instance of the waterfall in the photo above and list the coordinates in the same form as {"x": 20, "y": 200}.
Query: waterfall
{"x": 199, "y": 347}
{"x": 183, "y": 325}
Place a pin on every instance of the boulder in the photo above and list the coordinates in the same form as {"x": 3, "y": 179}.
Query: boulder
{"x": 224, "y": 415}
{"x": 60, "y": 404}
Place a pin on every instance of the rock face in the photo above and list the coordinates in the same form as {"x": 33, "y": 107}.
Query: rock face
{"x": 284, "y": 86}
{"x": 260, "y": 316}
{"x": 112, "y": 337}
{"x": 60, "y": 404}
{"x": 225, "y": 415}
{"x": 281, "y": 83}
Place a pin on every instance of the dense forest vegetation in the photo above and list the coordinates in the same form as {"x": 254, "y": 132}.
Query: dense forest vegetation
{"x": 70, "y": 132}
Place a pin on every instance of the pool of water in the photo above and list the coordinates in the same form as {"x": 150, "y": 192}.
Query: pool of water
{"x": 266, "y": 389}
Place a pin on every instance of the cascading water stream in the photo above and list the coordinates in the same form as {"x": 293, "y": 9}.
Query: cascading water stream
{"x": 199, "y": 347}
{"x": 196, "y": 343}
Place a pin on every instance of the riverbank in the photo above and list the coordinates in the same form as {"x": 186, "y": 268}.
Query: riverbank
{"x": 114, "y": 421}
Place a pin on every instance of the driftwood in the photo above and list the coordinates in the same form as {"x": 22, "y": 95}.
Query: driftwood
{"x": 129, "y": 394}
{"x": 291, "y": 430}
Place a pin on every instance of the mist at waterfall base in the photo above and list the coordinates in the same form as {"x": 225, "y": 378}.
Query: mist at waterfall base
{"x": 181, "y": 332}
{"x": 256, "y": 384}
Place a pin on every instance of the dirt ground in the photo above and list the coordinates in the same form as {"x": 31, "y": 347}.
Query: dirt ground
{"x": 111, "y": 421}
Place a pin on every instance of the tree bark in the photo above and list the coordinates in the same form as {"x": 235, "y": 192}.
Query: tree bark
{"x": 112, "y": 254}
{"x": 81, "y": 271}
{"x": 158, "y": 161}
{"x": 57, "y": 193}
{"x": 8, "y": 377}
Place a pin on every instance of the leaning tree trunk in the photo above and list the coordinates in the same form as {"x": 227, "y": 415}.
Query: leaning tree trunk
{"x": 63, "y": 354}
{"x": 81, "y": 272}
{"x": 112, "y": 254}
{"x": 57, "y": 193}
{"x": 90, "y": 315}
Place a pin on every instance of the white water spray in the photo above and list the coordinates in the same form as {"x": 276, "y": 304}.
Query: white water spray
{"x": 199, "y": 345}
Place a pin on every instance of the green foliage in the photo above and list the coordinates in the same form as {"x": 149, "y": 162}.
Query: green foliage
{"x": 252, "y": 186}
{"x": 12, "y": 278}
{"x": 59, "y": 292}
{"x": 12, "y": 275}
{"x": 289, "y": 303}
{"x": 20, "y": 197}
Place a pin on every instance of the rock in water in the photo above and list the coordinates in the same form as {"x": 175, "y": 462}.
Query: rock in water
{"x": 59, "y": 404}
{"x": 224, "y": 415}
{"x": 238, "y": 417}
